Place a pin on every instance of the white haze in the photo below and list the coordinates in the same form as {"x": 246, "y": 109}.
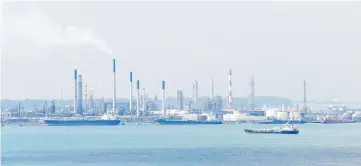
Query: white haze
{"x": 44, "y": 31}
{"x": 279, "y": 43}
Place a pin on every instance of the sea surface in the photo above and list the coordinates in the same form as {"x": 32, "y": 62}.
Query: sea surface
{"x": 154, "y": 145}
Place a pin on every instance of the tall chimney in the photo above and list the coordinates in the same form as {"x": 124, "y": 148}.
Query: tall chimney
{"x": 144, "y": 101}
{"x": 85, "y": 98}
{"x": 197, "y": 99}
{"x": 212, "y": 90}
{"x": 137, "y": 98}
{"x": 252, "y": 94}
{"x": 76, "y": 90}
{"x": 194, "y": 95}
{"x": 163, "y": 99}
{"x": 131, "y": 91}
{"x": 230, "y": 89}
{"x": 114, "y": 87}
{"x": 304, "y": 97}
{"x": 80, "y": 94}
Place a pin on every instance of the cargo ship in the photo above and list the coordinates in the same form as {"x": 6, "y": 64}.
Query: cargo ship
{"x": 80, "y": 122}
{"x": 330, "y": 121}
{"x": 106, "y": 120}
{"x": 275, "y": 121}
{"x": 185, "y": 122}
{"x": 285, "y": 129}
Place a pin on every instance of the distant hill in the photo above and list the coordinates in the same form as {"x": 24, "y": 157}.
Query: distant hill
{"x": 237, "y": 102}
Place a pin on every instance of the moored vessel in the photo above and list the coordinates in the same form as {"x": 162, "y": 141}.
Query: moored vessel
{"x": 285, "y": 129}
{"x": 185, "y": 122}
{"x": 276, "y": 121}
{"x": 80, "y": 122}
{"x": 329, "y": 121}
{"x": 106, "y": 120}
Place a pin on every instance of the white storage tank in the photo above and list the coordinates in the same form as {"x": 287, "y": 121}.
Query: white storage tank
{"x": 227, "y": 117}
{"x": 271, "y": 113}
{"x": 282, "y": 115}
{"x": 357, "y": 114}
{"x": 295, "y": 115}
{"x": 320, "y": 118}
{"x": 211, "y": 117}
{"x": 283, "y": 107}
{"x": 191, "y": 117}
{"x": 231, "y": 117}
{"x": 347, "y": 115}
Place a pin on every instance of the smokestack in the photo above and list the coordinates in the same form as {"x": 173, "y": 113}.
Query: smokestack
{"x": 194, "y": 95}
{"x": 212, "y": 89}
{"x": 76, "y": 90}
{"x": 304, "y": 97}
{"x": 196, "y": 90}
{"x": 62, "y": 94}
{"x": 283, "y": 107}
{"x": 163, "y": 99}
{"x": 180, "y": 99}
{"x": 85, "y": 98}
{"x": 230, "y": 89}
{"x": 114, "y": 85}
{"x": 80, "y": 94}
{"x": 131, "y": 91}
{"x": 143, "y": 101}
{"x": 252, "y": 94}
{"x": 137, "y": 98}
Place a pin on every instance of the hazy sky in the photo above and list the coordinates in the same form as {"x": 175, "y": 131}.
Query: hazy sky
{"x": 280, "y": 44}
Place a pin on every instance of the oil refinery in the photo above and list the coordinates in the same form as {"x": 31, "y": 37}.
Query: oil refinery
{"x": 87, "y": 110}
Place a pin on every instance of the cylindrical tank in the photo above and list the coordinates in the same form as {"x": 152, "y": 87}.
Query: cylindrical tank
{"x": 190, "y": 117}
{"x": 283, "y": 107}
{"x": 282, "y": 115}
{"x": 320, "y": 118}
{"x": 347, "y": 115}
{"x": 357, "y": 114}
{"x": 201, "y": 117}
{"x": 272, "y": 113}
{"x": 211, "y": 117}
{"x": 295, "y": 115}
{"x": 227, "y": 117}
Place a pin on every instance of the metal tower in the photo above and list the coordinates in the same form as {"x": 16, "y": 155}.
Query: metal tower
{"x": 252, "y": 94}
{"x": 304, "y": 97}
{"x": 230, "y": 89}
{"x": 114, "y": 90}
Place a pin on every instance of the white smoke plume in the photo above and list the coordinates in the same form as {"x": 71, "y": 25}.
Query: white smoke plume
{"x": 42, "y": 30}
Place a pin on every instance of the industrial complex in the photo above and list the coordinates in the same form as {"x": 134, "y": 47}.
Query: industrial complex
{"x": 87, "y": 110}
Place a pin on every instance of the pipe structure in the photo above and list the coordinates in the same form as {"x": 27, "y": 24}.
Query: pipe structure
{"x": 252, "y": 94}
{"x": 76, "y": 90}
{"x": 212, "y": 90}
{"x": 230, "y": 89}
{"x": 138, "y": 98}
{"x": 197, "y": 97}
{"x": 163, "y": 99}
{"x": 85, "y": 98}
{"x": 131, "y": 91}
{"x": 114, "y": 87}
{"x": 144, "y": 102}
{"x": 304, "y": 97}
{"x": 80, "y": 94}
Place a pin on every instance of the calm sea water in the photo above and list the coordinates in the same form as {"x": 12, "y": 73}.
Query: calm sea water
{"x": 317, "y": 144}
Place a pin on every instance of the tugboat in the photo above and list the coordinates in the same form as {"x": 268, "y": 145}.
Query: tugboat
{"x": 285, "y": 129}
